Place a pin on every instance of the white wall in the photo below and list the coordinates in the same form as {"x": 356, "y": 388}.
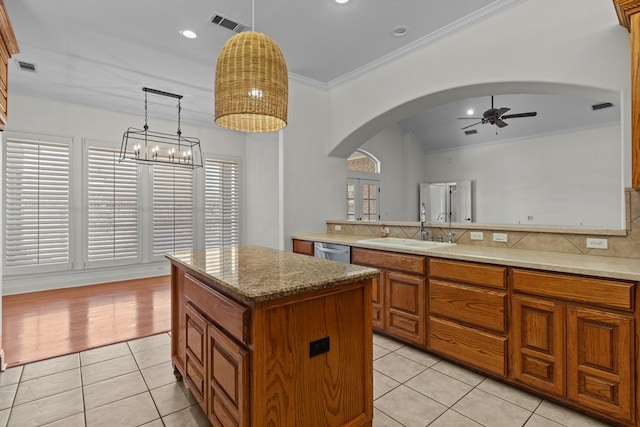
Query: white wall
{"x": 261, "y": 196}
{"x": 548, "y": 170}
{"x": 401, "y": 169}
{"x": 314, "y": 183}
{"x": 577, "y": 42}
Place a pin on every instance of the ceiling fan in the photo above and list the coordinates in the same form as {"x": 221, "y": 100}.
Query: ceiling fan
{"x": 496, "y": 116}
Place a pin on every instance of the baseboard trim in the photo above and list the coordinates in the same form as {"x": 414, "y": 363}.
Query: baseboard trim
{"x": 20, "y": 284}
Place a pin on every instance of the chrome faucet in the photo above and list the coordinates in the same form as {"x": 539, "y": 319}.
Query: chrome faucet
{"x": 423, "y": 218}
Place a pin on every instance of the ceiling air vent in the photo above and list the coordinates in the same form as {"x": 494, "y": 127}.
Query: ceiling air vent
{"x": 470, "y": 132}
{"x": 228, "y": 23}
{"x": 601, "y": 106}
{"x": 27, "y": 66}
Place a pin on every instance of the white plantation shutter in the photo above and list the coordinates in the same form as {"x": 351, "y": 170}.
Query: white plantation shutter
{"x": 37, "y": 205}
{"x": 222, "y": 203}
{"x": 112, "y": 194}
{"x": 173, "y": 209}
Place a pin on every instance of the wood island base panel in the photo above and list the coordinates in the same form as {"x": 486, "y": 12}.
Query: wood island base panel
{"x": 269, "y": 338}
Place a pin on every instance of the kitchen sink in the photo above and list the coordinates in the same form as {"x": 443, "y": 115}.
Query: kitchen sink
{"x": 395, "y": 242}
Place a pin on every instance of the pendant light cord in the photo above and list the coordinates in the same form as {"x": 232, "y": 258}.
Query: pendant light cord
{"x": 179, "y": 131}
{"x": 146, "y": 126}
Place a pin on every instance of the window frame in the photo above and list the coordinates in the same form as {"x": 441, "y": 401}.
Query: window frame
{"x": 238, "y": 220}
{"x": 358, "y": 184}
{"x": 78, "y": 211}
{"x": 358, "y": 179}
{"x": 194, "y": 218}
{"x": 40, "y": 268}
{"x": 86, "y": 145}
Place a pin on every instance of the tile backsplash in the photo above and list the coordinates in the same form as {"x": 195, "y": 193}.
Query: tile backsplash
{"x": 625, "y": 243}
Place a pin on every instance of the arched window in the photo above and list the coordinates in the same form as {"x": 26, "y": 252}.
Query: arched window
{"x": 363, "y": 190}
{"x": 361, "y": 161}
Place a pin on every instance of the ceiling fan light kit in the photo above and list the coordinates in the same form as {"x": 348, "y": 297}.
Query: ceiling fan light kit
{"x": 496, "y": 116}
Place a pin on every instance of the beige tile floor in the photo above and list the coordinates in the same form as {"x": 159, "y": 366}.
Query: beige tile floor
{"x": 413, "y": 388}
{"x": 132, "y": 384}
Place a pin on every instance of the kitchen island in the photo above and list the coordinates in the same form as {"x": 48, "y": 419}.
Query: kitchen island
{"x": 270, "y": 338}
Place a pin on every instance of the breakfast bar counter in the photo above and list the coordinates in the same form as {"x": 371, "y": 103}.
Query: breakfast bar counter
{"x": 265, "y": 337}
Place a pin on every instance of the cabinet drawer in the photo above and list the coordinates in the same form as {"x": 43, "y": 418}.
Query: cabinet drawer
{"x": 468, "y": 304}
{"x": 480, "y": 349}
{"x": 391, "y": 260}
{"x": 228, "y": 314}
{"x": 477, "y": 274}
{"x": 304, "y": 247}
{"x": 606, "y": 293}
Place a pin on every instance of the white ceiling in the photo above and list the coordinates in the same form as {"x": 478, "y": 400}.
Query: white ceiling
{"x": 102, "y": 53}
{"x": 440, "y": 128}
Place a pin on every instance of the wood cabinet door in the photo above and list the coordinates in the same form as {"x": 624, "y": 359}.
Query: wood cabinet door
{"x": 377, "y": 296}
{"x": 600, "y": 372}
{"x": 196, "y": 341}
{"x": 228, "y": 380}
{"x": 404, "y": 302}
{"x": 539, "y": 344}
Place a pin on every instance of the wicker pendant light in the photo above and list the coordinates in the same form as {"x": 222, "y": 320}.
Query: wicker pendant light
{"x": 251, "y": 84}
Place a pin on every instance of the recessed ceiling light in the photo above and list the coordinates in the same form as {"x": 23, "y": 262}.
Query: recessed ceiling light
{"x": 188, "y": 34}
{"x": 400, "y": 31}
{"x": 470, "y": 112}
{"x": 341, "y": 1}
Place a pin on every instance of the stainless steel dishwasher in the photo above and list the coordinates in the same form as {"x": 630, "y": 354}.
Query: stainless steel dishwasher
{"x": 332, "y": 252}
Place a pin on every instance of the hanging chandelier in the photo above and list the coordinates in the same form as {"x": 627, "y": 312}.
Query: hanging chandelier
{"x": 251, "y": 84}
{"x": 145, "y": 146}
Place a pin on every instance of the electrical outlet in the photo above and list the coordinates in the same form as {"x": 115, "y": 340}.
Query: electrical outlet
{"x": 477, "y": 235}
{"x": 500, "y": 237}
{"x": 597, "y": 243}
{"x": 337, "y": 227}
{"x": 318, "y": 347}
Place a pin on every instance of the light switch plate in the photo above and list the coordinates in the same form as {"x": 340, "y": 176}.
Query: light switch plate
{"x": 500, "y": 237}
{"x": 477, "y": 235}
{"x": 337, "y": 228}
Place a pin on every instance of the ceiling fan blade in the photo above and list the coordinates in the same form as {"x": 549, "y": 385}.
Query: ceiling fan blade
{"x": 513, "y": 116}
{"x": 469, "y": 118}
{"x": 466, "y": 127}
{"x": 501, "y": 111}
{"x": 500, "y": 123}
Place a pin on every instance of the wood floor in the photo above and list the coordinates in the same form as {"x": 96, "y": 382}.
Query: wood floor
{"x": 40, "y": 325}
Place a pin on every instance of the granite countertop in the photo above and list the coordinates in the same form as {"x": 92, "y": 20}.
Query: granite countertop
{"x": 256, "y": 274}
{"x": 591, "y": 265}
